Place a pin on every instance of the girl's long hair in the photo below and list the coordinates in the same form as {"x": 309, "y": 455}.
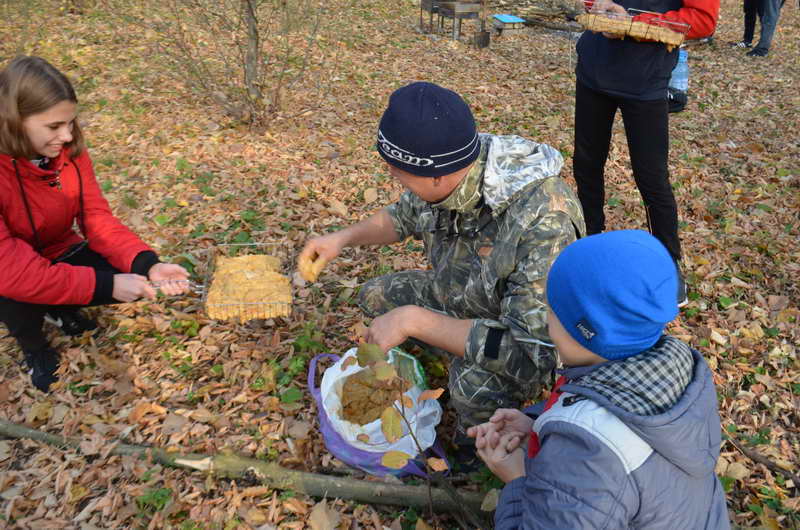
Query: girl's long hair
{"x": 28, "y": 86}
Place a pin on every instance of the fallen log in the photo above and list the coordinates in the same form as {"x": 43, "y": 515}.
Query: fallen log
{"x": 275, "y": 476}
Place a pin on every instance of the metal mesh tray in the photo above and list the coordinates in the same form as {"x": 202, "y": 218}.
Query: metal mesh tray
{"x": 243, "y": 311}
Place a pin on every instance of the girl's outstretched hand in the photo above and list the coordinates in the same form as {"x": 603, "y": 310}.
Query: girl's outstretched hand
{"x": 171, "y": 279}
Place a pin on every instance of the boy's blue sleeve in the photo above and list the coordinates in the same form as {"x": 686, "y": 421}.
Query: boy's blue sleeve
{"x": 575, "y": 481}
{"x": 509, "y": 506}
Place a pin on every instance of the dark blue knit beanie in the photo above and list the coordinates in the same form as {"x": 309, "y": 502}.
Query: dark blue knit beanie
{"x": 427, "y": 131}
{"x": 614, "y": 292}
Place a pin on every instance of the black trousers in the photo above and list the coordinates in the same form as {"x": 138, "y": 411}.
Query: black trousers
{"x": 751, "y": 8}
{"x": 647, "y": 130}
{"x": 24, "y": 321}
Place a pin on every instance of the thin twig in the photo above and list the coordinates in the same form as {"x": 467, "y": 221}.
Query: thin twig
{"x": 755, "y": 456}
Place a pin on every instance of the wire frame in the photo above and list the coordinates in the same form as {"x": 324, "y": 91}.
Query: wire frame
{"x": 656, "y": 28}
{"x": 242, "y": 310}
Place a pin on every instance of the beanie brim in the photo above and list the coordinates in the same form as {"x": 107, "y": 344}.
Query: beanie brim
{"x": 422, "y": 166}
{"x": 427, "y": 131}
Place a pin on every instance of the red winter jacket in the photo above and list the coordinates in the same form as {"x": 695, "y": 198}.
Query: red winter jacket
{"x": 27, "y": 273}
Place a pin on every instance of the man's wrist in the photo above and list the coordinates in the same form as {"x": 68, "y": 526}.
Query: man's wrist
{"x": 411, "y": 315}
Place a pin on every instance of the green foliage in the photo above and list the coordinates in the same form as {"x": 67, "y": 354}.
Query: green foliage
{"x": 290, "y": 395}
{"x": 409, "y": 519}
{"x": 725, "y": 302}
{"x": 294, "y": 367}
{"x": 79, "y": 389}
{"x": 486, "y": 479}
{"x": 760, "y": 438}
{"x": 259, "y": 383}
{"x": 187, "y": 327}
{"x": 154, "y": 500}
{"x": 183, "y": 165}
{"x": 690, "y": 312}
{"x": 727, "y": 483}
{"x": 190, "y": 525}
{"x": 309, "y": 340}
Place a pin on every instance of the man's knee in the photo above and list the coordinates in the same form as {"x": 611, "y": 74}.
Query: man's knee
{"x": 384, "y": 293}
{"x": 476, "y": 393}
{"x": 371, "y": 298}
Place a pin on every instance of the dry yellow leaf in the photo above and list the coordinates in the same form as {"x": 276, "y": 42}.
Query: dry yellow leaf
{"x": 438, "y": 464}
{"x": 77, "y": 492}
{"x": 395, "y": 459}
{"x": 256, "y": 517}
{"x": 370, "y": 195}
{"x": 39, "y": 411}
{"x": 431, "y": 394}
{"x": 310, "y": 270}
{"x": 422, "y": 525}
{"x": 737, "y": 471}
{"x": 391, "y": 424}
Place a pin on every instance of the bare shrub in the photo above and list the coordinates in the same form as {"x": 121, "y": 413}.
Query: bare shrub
{"x": 246, "y": 55}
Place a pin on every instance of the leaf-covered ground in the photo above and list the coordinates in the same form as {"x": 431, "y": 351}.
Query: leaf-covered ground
{"x": 187, "y": 178}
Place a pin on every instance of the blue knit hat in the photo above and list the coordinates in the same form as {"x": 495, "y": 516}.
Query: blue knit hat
{"x": 614, "y": 292}
{"x": 427, "y": 131}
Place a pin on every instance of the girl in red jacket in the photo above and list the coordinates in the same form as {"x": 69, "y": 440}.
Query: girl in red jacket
{"x": 47, "y": 187}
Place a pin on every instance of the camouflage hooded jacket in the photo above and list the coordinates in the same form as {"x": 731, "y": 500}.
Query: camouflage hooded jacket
{"x": 490, "y": 259}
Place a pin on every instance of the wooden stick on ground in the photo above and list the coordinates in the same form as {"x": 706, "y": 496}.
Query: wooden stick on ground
{"x": 273, "y": 475}
{"x": 757, "y": 457}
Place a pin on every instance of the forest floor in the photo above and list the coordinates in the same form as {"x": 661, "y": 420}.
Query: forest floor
{"x": 187, "y": 178}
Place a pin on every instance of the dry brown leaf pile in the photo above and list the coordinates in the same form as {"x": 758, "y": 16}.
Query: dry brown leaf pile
{"x": 186, "y": 177}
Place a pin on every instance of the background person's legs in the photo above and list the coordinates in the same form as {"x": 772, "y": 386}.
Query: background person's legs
{"x": 647, "y": 130}
{"x": 750, "y": 9}
{"x": 594, "y": 116}
{"x": 770, "y": 12}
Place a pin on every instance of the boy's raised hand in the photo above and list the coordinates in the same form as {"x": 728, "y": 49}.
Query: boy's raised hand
{"x": 504, "y": 422}
{"x": 485, "y": 435}
{"x": 514, "y": 421}
{"x": 506, "y": 459}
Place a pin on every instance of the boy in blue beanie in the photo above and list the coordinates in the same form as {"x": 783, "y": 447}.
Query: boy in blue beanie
{"x": 630, "y": 435}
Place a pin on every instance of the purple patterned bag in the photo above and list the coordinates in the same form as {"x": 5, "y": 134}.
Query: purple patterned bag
{"x": 367, "y": 461}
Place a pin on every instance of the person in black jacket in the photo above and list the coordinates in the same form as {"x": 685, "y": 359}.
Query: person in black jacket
{"x": 632, "y": 76}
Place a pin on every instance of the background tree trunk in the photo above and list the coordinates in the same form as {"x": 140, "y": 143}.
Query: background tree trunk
{"x": 253, "y": 57}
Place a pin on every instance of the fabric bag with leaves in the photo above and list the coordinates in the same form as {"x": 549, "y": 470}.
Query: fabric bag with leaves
{"x": 366, "y": 446}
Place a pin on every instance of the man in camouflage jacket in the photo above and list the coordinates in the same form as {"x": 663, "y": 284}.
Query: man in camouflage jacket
{"x": 492, "y": 219}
